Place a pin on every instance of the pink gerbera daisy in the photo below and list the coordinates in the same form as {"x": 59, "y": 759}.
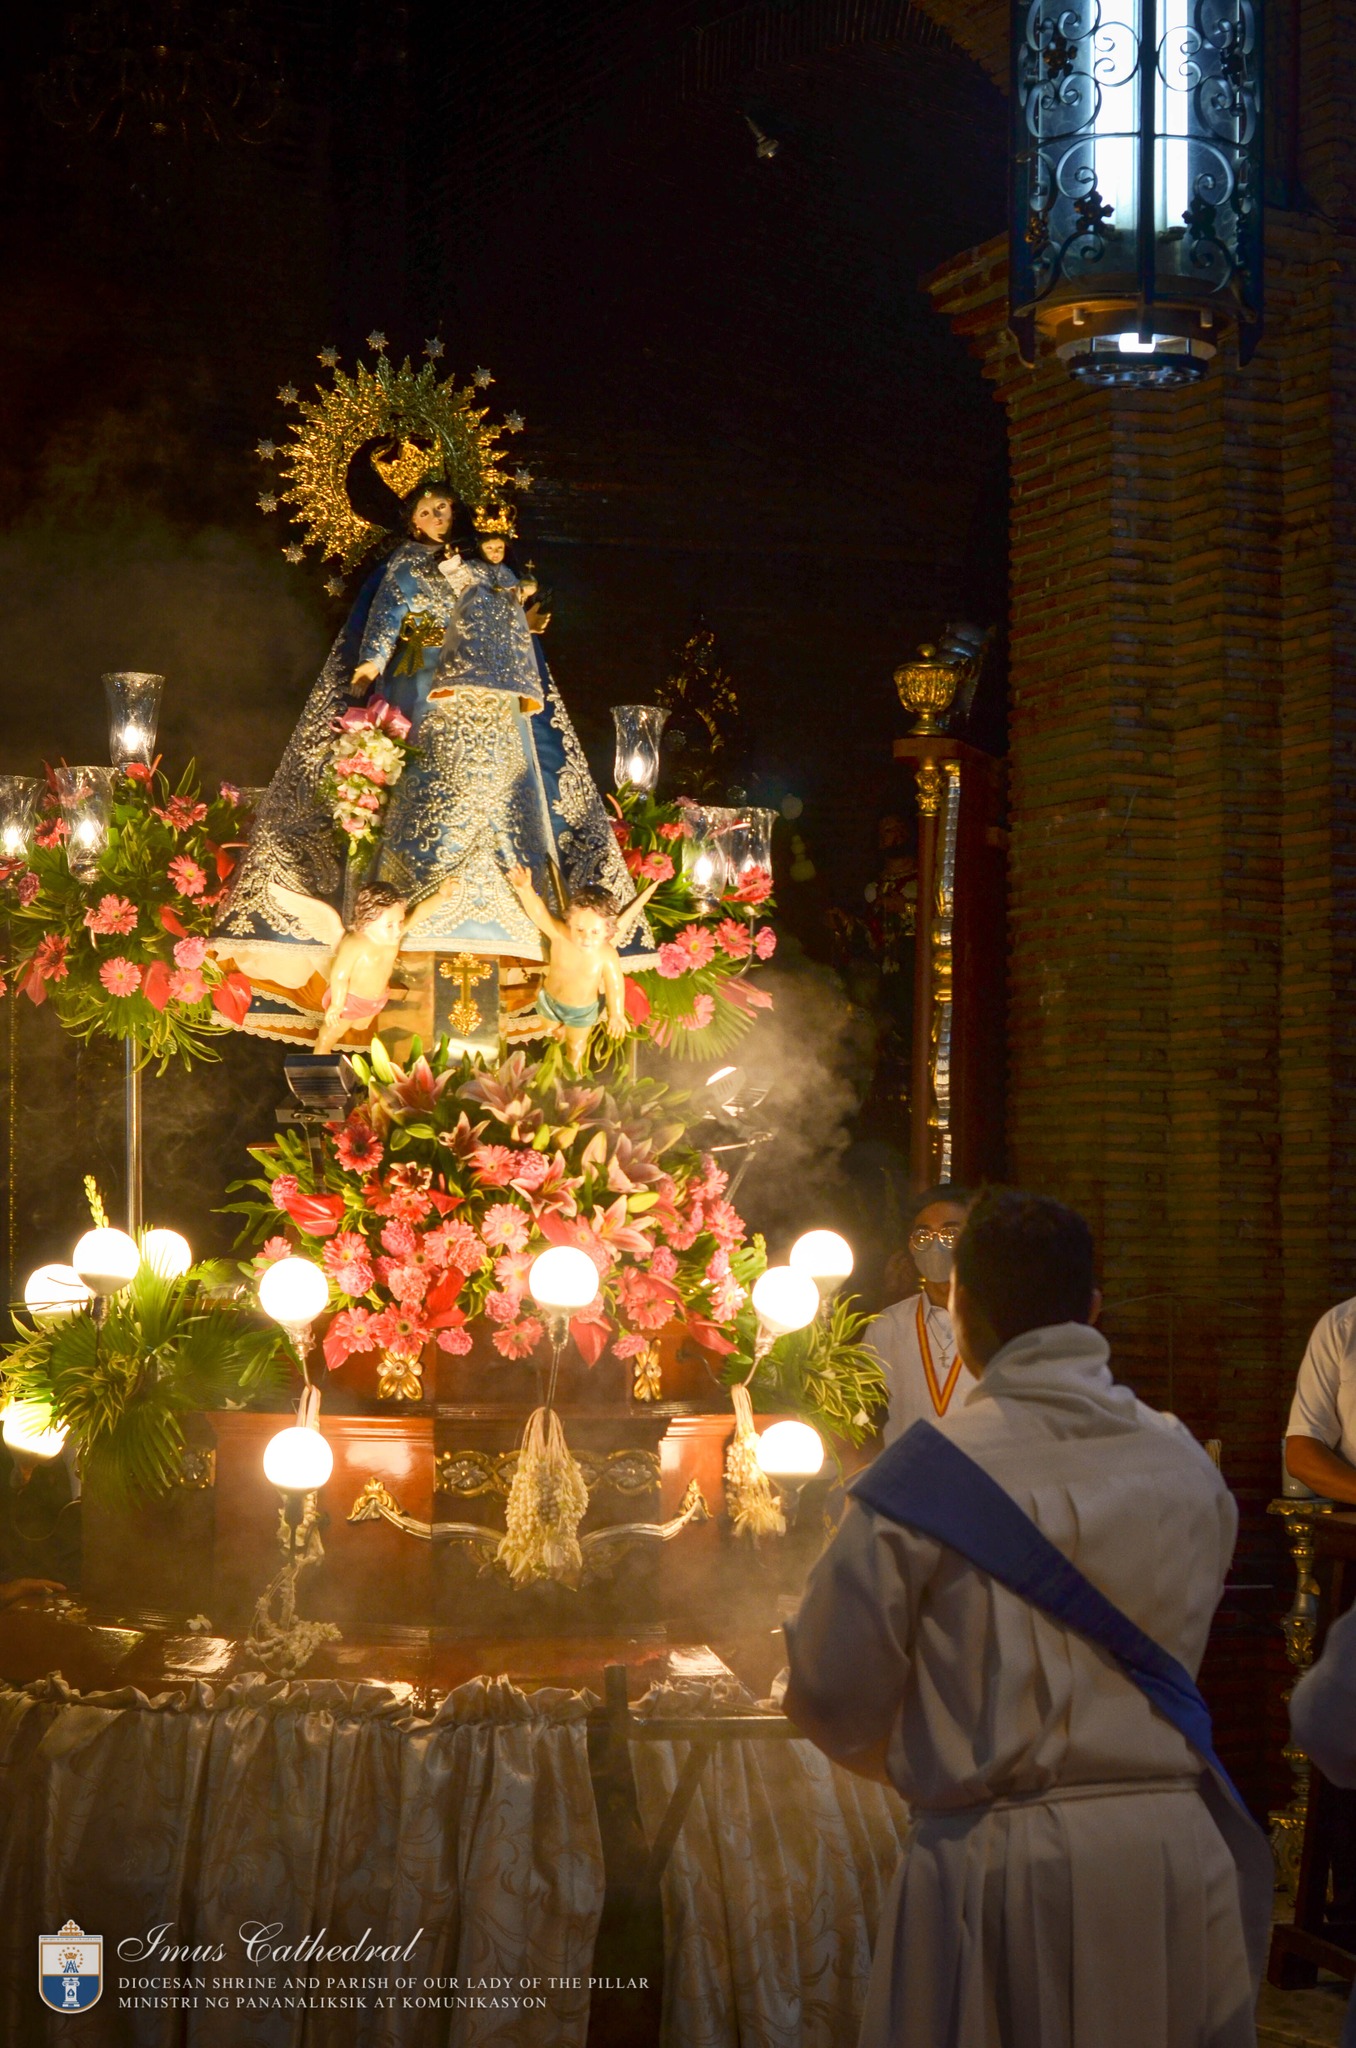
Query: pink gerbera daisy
{"x": 120, "y": 977}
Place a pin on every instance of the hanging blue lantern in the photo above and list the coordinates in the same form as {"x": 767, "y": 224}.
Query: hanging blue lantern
{"x": 1136, "y": 234}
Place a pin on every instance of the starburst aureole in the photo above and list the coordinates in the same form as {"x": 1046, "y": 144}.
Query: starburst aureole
{"x": 379, "y": 400}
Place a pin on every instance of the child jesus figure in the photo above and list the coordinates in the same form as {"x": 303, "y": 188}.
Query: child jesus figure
{"x": 583, "y": 973}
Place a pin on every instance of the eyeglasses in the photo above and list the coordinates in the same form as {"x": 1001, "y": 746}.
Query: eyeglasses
{"x": 948, "y": 1235}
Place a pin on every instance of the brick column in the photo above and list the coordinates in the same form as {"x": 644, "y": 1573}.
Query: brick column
{"x": 1182, "y": 993}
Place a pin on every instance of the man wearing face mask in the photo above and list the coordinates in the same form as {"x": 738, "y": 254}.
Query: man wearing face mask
{"x": 914, "y": 1340}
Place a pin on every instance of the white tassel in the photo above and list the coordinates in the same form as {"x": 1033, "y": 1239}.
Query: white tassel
{"x": 753, "y": 1506}
{"x": 546, "y": 1503}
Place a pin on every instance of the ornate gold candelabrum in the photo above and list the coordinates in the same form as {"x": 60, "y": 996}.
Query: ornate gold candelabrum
{"x": 1287, "y": 1824}
{"x": 927, "y": 687}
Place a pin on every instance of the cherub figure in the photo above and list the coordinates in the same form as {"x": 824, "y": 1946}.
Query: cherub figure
{"x": 364, "y": 955}
{"x": 584, "y": 976}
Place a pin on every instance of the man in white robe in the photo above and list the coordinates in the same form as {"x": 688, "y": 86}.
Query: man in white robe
{"x": 1064, "y": 1883}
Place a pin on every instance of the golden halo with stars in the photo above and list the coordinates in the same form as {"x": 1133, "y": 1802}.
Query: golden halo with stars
{"x": 377, "y": 400}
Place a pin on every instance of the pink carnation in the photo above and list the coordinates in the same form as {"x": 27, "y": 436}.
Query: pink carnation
{"x": 765, "y": 945}
{"x": 663, "y": 1264}
{"x": 458, "y": 1342}
{"x": 27, "y": 888}
{"x": 115, "y": 914}
{"x": 735, "y": 938}
{"x": 505, "y": 1224}
{"x": 186, "y": 985}
{"x": 188, "y": 878}
{"x": 672, "y": 961}
{"x": 282, "y": 1189}
{"x": 408, "y": 1282}
{"x": 230, "y": 792}
{"x": 630, "y": 1342}
{"x": 190, "y": 953}
{"x": 120, "y": 977}
{"x": 273, "y": 1249}
{"x": 398, "y": 1237}
{"x": 501, "y": 1307}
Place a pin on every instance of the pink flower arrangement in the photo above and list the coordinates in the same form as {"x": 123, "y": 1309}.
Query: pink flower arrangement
{"x": 456, "y": 1244}
{"x": 120, "y": 977}
{"x": 505, "y": 1224}
{"x": 346, "y": 1260}
{"x": 734, "y": 938}
{"x": 368, "y": 760}
{"x": 765, "y": 945}
{"x": 113, "y": 915}
{"x": 357, "y": 1145}
{"x": 180, "y": 814}
{"x": 188, "y": 878}
{"x": 518, "y": 1340}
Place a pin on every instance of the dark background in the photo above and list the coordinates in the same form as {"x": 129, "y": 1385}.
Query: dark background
{"x": 740, "y": 407}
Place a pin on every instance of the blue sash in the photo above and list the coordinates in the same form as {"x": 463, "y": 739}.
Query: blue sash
{"x": 926, "y": 1482}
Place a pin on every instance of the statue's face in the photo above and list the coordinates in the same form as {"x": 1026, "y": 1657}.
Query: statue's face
{"x": 432, "y": 516}
{"x": 588, "y": 929}
{"x": 385, "y": 927}
{"x": 492, "y": 549}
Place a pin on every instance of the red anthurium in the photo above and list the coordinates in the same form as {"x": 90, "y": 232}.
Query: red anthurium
{"x": 156, "y": 985}
{"x": 232, "y": 997}
{"x": 636, "y": 1001}
{"x": 444, "y": 1203}
{"x": 440, "y": 1301}
{"x": 708, "y": 1336}
{"x": 590, "y": 1332}
{"x": 317, "y": 1215}
{"x": 171, "y": 922}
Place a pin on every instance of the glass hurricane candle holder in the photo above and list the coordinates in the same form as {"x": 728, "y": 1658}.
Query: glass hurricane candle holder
{"x": 85, "y": 795}
{"x": 704, "y": 858}
{"x": 639, "y": 729}
{"x": 133, "y": 715}
{"x": 18, "y": 800}
{"x": 750, "y": 841}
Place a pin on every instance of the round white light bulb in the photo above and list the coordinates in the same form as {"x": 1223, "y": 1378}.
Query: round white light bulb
{"x": 297, "y": 1460}
{"x": 563, "y": 1278}
{"x": 54, "y": 1292}
{"x": 824, "y": 1255}
{"x": 27, "y": 1428}
{"x": 106, "y": 1260}
{"x": 790, "y": 1450}
{"x": 293, "y": 1292}
{"x": 166, "y": 1253}
{"x": 785, "y": 1300}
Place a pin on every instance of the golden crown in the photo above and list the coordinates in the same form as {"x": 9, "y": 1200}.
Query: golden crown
{"x": 407, "y": 468}
{"x": 496, "y": 521}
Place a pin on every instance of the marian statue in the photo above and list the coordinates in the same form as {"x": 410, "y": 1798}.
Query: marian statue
{"x": 433, "y": 758}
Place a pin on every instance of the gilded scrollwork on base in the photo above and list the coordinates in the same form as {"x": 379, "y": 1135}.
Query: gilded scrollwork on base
{"x": 472, "y": 1472}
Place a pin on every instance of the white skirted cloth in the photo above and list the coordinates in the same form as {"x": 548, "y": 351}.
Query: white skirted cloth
{"x": 1063, "y": 1885}
{"x": 316, "y": 1805}
{"x": 774, "y": 1887}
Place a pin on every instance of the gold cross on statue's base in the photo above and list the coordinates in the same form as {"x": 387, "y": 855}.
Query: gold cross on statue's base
{"x": 466, "y": 968}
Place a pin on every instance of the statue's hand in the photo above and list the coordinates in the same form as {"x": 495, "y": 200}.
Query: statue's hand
{"x": 519, "y": 877}
{"x": 538, "y": 618}
{"x": 616, "y": 1026}
{"x": 364, "y": 675}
